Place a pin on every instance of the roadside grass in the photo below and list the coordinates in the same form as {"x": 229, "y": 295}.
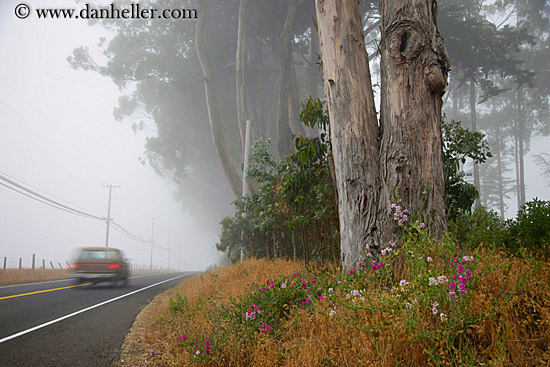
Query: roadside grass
{"x": 24, "y": 276}
{"x": 426, "y": 303}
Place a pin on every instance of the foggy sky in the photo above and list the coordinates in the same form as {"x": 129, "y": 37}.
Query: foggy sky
{"x": 58, "y": 135}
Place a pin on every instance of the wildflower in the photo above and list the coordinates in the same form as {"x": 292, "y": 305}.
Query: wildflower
{"x": 432, "y": 281}
{"x": 312, "y": 281}
{"x": 152, "y": 352}
{"x": 443, "y": 316}
{"x": 392, "y": 244}
{"x": 422, "y": 225}
{"x": 415, "y": 302}
{"x": 352, "y": 271}
{"x": 321, "y": 298}
{"x": 462, "y": 288}
{"x": 197, "y": 352}
{"x": 403, "y": 283}
{"x": 442, "y": 279}
{"x": 386, "y": 251}
{"x": 355, "y": 292}
{"x": 452, "y": 295}
{"x": 468, "y": 258}
{"x": 332, "y": 313}
{"x": 283, "y": 285}
{"x": 330, "y": 290}
{"x": 434, "y": 308}
{"x": 468, "y": 274}
{"x": 408, "y": 305}
{"x": 429, "y": 259}
{"x": 460, "y": 269}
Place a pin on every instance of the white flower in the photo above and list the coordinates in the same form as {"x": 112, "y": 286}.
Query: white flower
{"x": 443, "y": 316}
{"x": 330, "y": 290}
{"x": 432, "y": 281}
{"x": 442, "y": 279}
{"x": 408, "y": 305}
{"x": 332, "y": 313}
{"x": 429, "y": 259}
{"x": 283, "y": 285}
{"x": 403, "y": 283}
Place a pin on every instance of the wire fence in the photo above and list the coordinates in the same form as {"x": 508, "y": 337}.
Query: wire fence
{"x": 33, "y": 262}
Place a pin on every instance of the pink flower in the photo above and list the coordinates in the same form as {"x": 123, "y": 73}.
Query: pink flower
{"x": 422, "y": 225}
{"x": 352, "y": 271}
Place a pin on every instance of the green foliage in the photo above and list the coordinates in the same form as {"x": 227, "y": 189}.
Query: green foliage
{"x": 531, "y": 228}
{"x": 482, "y": 226}
{"x": 458, "y": 144}
{"x": 293, "y": 210}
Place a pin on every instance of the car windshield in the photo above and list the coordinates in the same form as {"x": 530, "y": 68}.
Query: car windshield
{"x": 99, "y": 255}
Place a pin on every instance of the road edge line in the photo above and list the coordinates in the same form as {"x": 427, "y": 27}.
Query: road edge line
{"x": 16, "y": 335}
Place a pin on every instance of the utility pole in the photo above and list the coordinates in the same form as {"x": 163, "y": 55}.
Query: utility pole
{"x": 245, "y": 168}
{"x": 152, "y": 241}
{"x": 109, "y": 212}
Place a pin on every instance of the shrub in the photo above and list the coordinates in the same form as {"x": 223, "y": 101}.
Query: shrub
{"x": 531, "y": 228}
{"x": 483, "y": 226}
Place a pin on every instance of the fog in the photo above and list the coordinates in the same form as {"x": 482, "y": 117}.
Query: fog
{"x": 58, "y": 137}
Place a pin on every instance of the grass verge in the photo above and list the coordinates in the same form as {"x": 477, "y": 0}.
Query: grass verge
{"x": 427, "y": 303}
{"x": 24, "y": 276}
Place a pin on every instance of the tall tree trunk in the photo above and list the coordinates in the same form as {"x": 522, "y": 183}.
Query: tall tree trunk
{"x": 521, "y": 162}
{"x": 474, "y": 129}
{"x": 499, "y": 172}
{"x": 516, "y": 161}
{"x": 242, "y": 113}
{"x": 414, "y": 68}
{"x": 284, "y": 50}
{"x": 212, "y": 104}
{"x": 353, "y": 126}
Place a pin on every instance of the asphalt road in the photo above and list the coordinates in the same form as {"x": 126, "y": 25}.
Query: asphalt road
{"x": 59, "y": 324}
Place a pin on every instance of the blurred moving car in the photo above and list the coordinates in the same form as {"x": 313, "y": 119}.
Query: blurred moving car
{"x": 100, "y": 264}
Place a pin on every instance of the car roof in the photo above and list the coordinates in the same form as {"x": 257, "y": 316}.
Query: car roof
{"x": 98, "y": 248}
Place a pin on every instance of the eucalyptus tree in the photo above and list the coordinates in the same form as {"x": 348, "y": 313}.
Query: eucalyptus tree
{"x": 258, "y": 73}
{"x": 402, "y": 158}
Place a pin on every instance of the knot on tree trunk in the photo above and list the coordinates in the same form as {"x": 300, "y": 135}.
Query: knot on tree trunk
{"x": 436, "y": 79}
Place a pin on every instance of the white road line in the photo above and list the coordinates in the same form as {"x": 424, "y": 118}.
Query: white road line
{"x": 84, "y": 310}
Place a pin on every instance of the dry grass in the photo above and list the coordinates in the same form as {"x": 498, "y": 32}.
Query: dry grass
{"x": 23, "y": 276}
{"x": 507, "y": 323}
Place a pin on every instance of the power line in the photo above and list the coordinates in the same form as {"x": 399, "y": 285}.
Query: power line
{"x": 127, "y": 233}
{"x": 39, "y": 197}
{"x": 21, "y": 189}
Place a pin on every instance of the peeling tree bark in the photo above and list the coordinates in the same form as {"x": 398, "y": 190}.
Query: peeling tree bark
{"x": 403, "y": 158}
{"x": 353, "y": 125}
{"x": 242, "y": 111}
{"x": 414, "y": 67}
{"x": 213, "y": 112}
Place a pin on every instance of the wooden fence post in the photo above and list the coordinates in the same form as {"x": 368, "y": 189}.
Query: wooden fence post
{"x": 33, "y": 259}
{"x": 20, "y": 262}
{"x": 5, "y": 262}
{"x": 51, "y": 263}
